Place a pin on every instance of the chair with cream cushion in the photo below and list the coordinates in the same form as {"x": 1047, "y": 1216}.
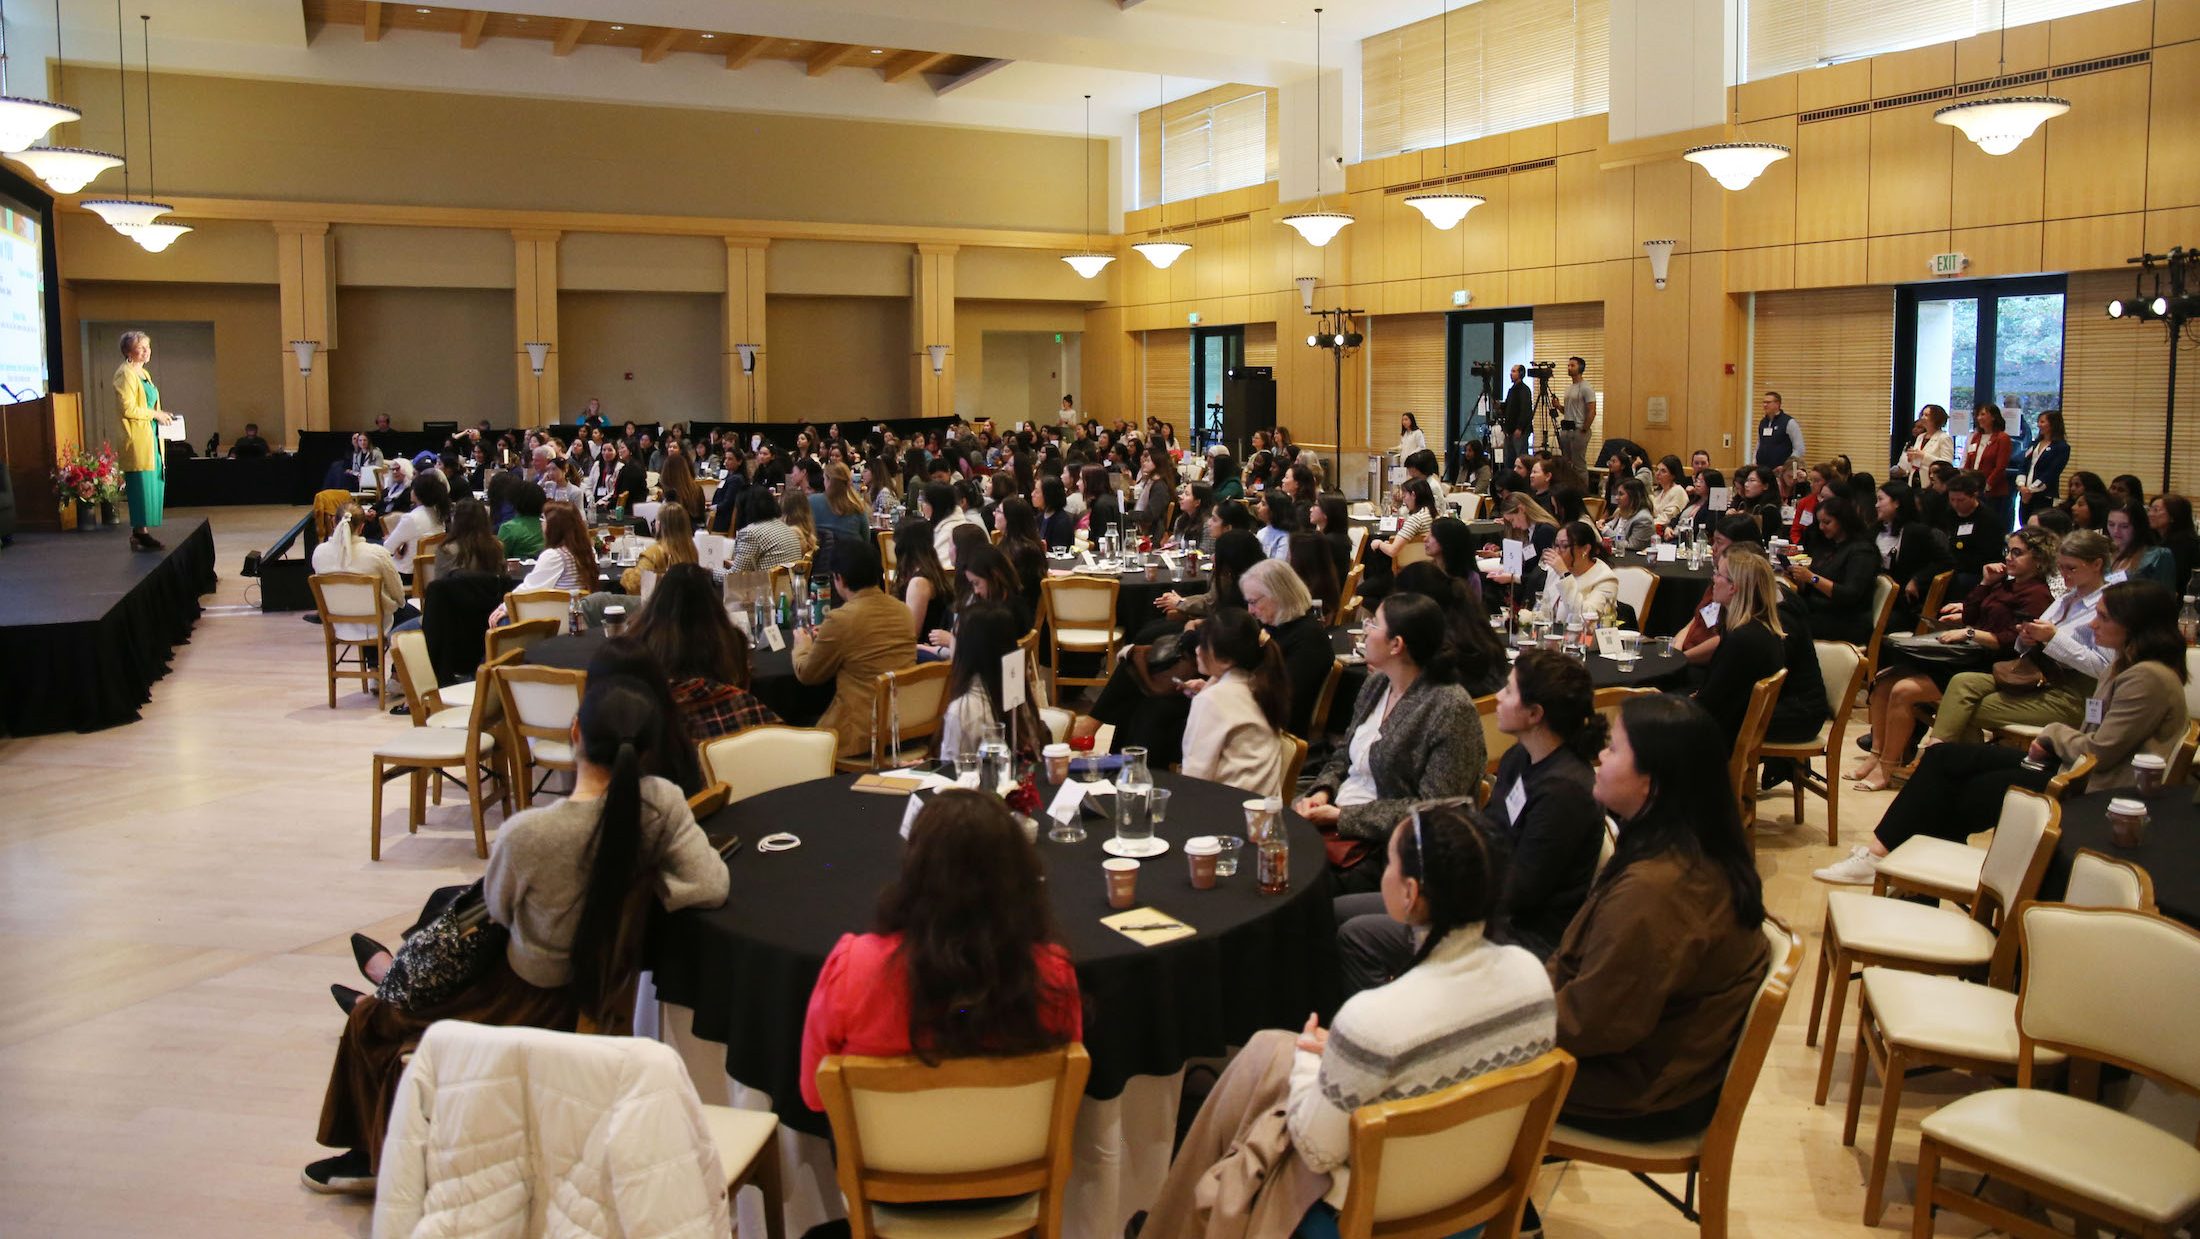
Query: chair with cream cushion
{"x": 907, "y": 709}
{"x": 1909, "y": 1021}
{"x": 2101, "y": 985}
{"x": 415, "y": 674}
{"x": 1946, "y": 869}
{"x": 1459, "y": 1157}
{"x": 537, "y": 604}
{"x": 1707, "y": 1158}
{"x": 1841, "y": 666}
{"x": 427, "y": 752}
{"x": 354, "y": 621}
{"x": 755, "y": 760}
{"x": 1357, "y": 536}
{"x": 1864, "y": 930}
{"x": 516, "y": 638}
{"x": 710, "y": 800}
{"x": 423, "y": 565}
{"x": 1883, "y": 594}
{"x": 540, "y": 704}
{"x": 1637, "y": 586}
{"x": 1080, "y": 618}
{"x": 973, "y": 1129}
{"x": 1494, "y": 740}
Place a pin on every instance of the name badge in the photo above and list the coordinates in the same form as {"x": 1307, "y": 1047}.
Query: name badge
{"x": 1810, "y": 518}
{"x": 1709, "y": 615}
{"x": 1787, "y": 512}
{"x": 2115, "y": 578}
{"x": 2094, "y": 708}
{"x": 1766, "y": 432}
{"x": 1516, "y": 800}
{"x": 1964, "y": 530}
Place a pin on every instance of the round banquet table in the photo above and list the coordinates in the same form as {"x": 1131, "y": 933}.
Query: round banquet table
{"x": 746, "y": 969}
{"x": 1135, "y": 595}
{"x": 2168, "y": 855}
{"x": 771, "y": 674}
{"x": 1680, "y": 589}
{"x": 1662, "y": 671}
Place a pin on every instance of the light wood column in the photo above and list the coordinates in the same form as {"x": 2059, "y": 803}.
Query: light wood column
{"x": 305, "y": 271}
{"x": 746, "y": 265}
{"x": 932, "y": 321}
{"x": 535, "y": 318}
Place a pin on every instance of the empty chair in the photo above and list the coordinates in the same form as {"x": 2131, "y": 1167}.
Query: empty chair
{"x": 423, "y": 752}
{"x": 1080, "y": 618}
{"x": 1637, "y": 586}
{"x": 1883, "y": 594}
{"x": 1842, "y": 667}
{"x": 756, "y": 760}
{"x": 410, "y": 665}
{"x": 908, "y": 709}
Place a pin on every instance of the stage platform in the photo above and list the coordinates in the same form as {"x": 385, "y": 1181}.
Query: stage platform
{"x": 87, "y": 624}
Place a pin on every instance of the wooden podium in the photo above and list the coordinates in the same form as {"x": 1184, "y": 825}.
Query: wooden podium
{"x": 33, "y": 434}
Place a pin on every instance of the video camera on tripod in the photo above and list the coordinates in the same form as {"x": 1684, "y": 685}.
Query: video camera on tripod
{"x": 1541, "y": 371}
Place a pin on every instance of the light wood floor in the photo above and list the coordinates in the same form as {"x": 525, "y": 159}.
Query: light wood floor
{"x": 175, "y": 898}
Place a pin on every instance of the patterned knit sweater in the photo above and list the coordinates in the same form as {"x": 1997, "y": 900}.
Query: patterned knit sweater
{"x": 1471, "y": 1007}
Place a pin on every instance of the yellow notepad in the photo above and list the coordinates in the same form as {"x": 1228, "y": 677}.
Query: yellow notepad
{"x": 1147, "y": 926}
{"x": 889, "y": 784}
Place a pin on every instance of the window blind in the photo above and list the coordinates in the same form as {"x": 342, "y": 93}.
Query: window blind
{"x": 1216, "y": 140}
{"x": 1514, "y": 63}
{"x": 2115, "y": 377}
{"x": 1786, "y": 35}
{"x": 1406, "y": 355}
{"x": 1167, "y": 356}
{"x": 1577, "y": 330}
{"x": 1830, "y": 355}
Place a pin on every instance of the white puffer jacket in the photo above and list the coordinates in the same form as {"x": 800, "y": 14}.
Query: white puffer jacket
{"x": 522, "y": 1132}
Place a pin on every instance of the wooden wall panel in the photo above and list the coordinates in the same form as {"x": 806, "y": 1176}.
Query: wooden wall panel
{"x": 2114, "y": 387}
{"x": 1767, "y": 214}
{"x": 2095, "y": 241}
{"x": 1592, "y": 208}
{"x": 1833, "y": 177}
{"x": 1912, "y": 160}
{"x": 1532, "y": 235}
{"x": 1997, "y": 189}
{"x": 1918, "y": 68}
{"x": 2097, "y": 153}
{"x": 2173, "y": 167}
{"x": 1165, "y": 379}
{"x": 1406, "y": 353}
{"x": 1576, "y": 330}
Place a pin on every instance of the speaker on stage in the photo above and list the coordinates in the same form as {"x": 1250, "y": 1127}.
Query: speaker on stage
{"x": 1248, "y": 404}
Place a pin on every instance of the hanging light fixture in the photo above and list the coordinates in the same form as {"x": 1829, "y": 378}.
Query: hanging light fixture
{"x": 1735, "y": 164}
{"x": 1318, "y": 226}
{"x": 1443, "y": 207}
{"x": 126, "y": 212}
{"x": 153, "y": 237}
{"x": 1088, "y": 264}
{"x": 2001, "y": 125}
{"x": 24, "y": 121}
{"x": 64, "y": 169}
{"x": 1164, "y": 251}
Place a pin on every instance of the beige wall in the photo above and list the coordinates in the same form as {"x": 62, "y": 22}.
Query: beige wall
{"x": 422, "y": 354}
{"x": 668, "y": 342}
{"x": 980, "y": 326}
{"x": 835, "y": 358}
{"x": 248, "y": 381}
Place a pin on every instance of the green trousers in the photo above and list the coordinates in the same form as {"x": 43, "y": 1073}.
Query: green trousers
{"x": 1971, "y": 705}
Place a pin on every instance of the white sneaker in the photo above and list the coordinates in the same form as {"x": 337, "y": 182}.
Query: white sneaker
{"x": 1859, "y": 868}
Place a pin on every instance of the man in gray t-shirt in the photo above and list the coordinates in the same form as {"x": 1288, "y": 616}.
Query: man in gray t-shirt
{"x": 1579, "y": 413}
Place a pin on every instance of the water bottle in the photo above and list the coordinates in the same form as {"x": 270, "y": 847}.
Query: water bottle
{"x": 2188, "y": 620}
{"x": 1133, "y": 801}
{"x": 575, "y": 623}
{"x": 1271, "y": 844}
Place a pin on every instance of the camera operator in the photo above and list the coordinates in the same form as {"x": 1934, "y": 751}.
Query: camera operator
{"x": 1580, "y": 412}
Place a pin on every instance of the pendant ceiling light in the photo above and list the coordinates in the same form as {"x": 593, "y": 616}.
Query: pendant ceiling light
{"x": 2001, "y": 125}
{"x": 1735, "y": 164}
{"x": 1088, "y": 264}
{"x": 64, "y": 169}
{"x": 1318, "y": 226}
{"x": 1444, "y": 207}
{"x": 1165, "y": 250}
{"x": 24, "y": 121}
{"x": 154, "y": 237}
{"x": 124, "y": 213}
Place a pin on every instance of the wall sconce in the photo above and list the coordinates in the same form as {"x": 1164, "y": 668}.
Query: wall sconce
{"x": 939, "y": 357}
{"x": 1306, "y": 292}
{"x": 304, "y": 349}
{"x": 1661, "y": 256}
{"x": 748, "y": 354}
{"x": 538, "y": 355}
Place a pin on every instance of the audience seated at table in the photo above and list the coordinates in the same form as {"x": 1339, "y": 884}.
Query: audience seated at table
{"x": 1414, "y": 736}
{"x": 2170, "y": 517}
{"x": 985, "y": 632}
{"x": 249, "y": 445}
{"x": 1977, "y": 631}
{"x": 1465, "y": 1006}
{"x": 1279, "y": 599}
{"x": 1233, "y": 732}
{"x": 684, "y": 626}
{"x": 1544, "y": 824}
{"x": 1630, "y": 524}
{"x": 1579, "y": 586}
{"x": 674, "y": 544}
{"x": 840, "y": 513}
{"x": 1416, "y": 508}
{"x": 1524, "y": 521}
{"x": 866, "y": 635}
{"x": 521, "y": 533}
{"x": 559, "y": 883}
{"x": 2138, "y": 557}
{"x": 1911, "y": 552}
{"x": 1757, "y": 636}
{"x": 568, "y": 557}
{"x": 963, "y": 960}
{"x": 1838, "y": 582}
{"x": 429, "y": 514}
{"x": 678, "y": 487}
{"x": 347, "y": 550}
{"x": 794, "y": 510}
{"x": 919, "y": 581}
{"x": 1974, "y": 536}
{"x": 2058, "y": 646}
{"x": 764, "y": 541}
{"x": 1018, "y": 524}
{"x": 1478, "y": 650}
{"x": 1308, "y": 554}
{"x": 1958, "y": 788}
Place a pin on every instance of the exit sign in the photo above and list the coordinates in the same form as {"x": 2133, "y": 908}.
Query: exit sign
{"x": 1950, "y": 264}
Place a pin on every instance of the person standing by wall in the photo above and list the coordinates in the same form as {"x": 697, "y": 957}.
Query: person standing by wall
{"x": 144, "y": 472}
{"x": 1779, "y": 435}
{"x": 1580, "y": 413}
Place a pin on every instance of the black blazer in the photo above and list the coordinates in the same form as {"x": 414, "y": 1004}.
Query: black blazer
{"x": 632, "y": 486}
{"x": 1059, "y": 529}
{"x": 1846, "y": 613}
{"x": 1306, "y": 661}
{"x": 1745, "y": 655}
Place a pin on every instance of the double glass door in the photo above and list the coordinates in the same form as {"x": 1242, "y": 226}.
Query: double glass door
{"x": 1997, "y": 342}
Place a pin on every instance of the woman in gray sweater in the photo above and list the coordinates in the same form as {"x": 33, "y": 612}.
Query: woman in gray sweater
{"x": 1414, "y": 736}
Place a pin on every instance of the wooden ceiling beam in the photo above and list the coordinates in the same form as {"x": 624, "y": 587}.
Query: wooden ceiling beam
{"x": 569, "y": 36}
{"x": 906, "y": 65}
{"x": 371, "y": 21}
{"x": 829, "y": 56}
{"x": 972, "y": 74}
{"x": 745, "y": 49}
{"x": 469, "y": 35}
{"x": 661, "y": 46}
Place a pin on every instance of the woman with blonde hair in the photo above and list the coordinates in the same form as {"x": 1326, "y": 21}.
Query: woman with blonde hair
{"x": 1524, "y": 520}
{"x": 675, "y": 544}
{"x": 346, "y": 549}
{"x": 144, "y": 468}
{"x": 676, "y": 481}
{"x": 840, "y": 513}
{"x": 794, "y": 509}
{"x": 1751, "y": 636}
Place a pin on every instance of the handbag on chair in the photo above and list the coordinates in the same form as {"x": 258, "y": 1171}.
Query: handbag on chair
{"x": 2022, "y": 674}
{"x": 444, "y": 956}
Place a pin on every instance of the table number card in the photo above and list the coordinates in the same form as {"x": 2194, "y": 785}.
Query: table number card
{"x": 1608, "y": 642}
{"x": 1667, "y": 552}
{"x": 774, "y": 638}
{"x": 1012, "y": 677}
{"x": 1516, "y": 553}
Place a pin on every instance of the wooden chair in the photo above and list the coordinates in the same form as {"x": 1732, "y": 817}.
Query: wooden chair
{"x": 1029, "y": 644}
{"x": 910, "y": 705}
{"x": 415, "y": 674}
{"x": 1742, "y": 767}
{"x": 1080, "y": 612}
{"x": 1457, "y": 1158}
{"x": 355, "y": 620}
{"x": 1594, "y": 506}
{"x": 1357, "y": 535}
{"x": 1294, "y": 761}
{"x": 1947, "y": 870}
{"x": 1863, "y": 931}
{"x": 886, "y": 548}
{"x": 423, "y": 565}
{"x": 1936, "y": 592}
{"x": 1609, "y": 700}
{"x": 1841, "y": 665}
{"x": 2106, "y": 986}
{"x": 1708, "y": 1158}
{"x": 759, "y": 759}
{"x": 1411, "y": 552}
{"x": 965, "y": 1129}
{"x": 710, "y": 800}
{"x": 1907, "y": 1022}
{"x": 537, "y": 604}
{"x": 1469, "y": 503}
{"x": 517, "y": 637}
{"x": 540, "y": 704}
{"x": 1883, "y": 595}
{"x": 1494, "y": 740}
{"x": 1325, "y": 701}
{"x": 425, "y": 751}
{"x": 1351, "y": 599}
{"x": 1637, "y": 587}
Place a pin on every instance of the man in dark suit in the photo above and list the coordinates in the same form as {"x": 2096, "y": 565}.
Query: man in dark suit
{"x": 1519, "y": 414}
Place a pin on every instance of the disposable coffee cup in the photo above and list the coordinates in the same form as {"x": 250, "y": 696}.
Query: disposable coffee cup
{"x": 1057, "y": 759}
{"x": 1202, "y": 853}
{"x": 614, "y": 620}
{"x": 2127, "y": 822}
{"x": 2148, "y": 771}
{"x": 1122, "y": 875}
{"x": 1257, "y": 816}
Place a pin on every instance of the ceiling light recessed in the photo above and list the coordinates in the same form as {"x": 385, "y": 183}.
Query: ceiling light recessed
{"x": 618, "y": 27}
{"x": 708, "y": 35}
{"x": 878, "y": 51}
{"x": 423, "y": 11}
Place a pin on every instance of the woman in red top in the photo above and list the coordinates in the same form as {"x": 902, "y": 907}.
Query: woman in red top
{"x": 964, "y": 961}
{"x": 1988, "y": 455}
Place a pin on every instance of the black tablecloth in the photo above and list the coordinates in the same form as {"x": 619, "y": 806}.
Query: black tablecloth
{"x": 2169, "y": 855}
{"x": 771, "y": 675}
{"x": 87, "y": 625}
{"x": 201, "y": 482}
{"x": 747, "y": 969}
{"x": 1664, "y": 671}
{"x": 1680, "y": 590}
{"x": 1135, "y": 595}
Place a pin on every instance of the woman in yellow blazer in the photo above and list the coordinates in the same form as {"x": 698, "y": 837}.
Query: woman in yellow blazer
{"x": 144, "y": 471}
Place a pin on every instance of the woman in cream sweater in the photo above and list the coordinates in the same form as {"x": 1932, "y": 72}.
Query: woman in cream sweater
{"x": 1235, "y": 732}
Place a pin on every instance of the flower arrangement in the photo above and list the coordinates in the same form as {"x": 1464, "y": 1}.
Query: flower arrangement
{"x": 1023, "y": 799}
{"x": 82, "y": 475}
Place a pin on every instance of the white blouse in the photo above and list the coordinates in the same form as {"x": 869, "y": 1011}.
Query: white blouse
{"x": 555, "y": 568}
